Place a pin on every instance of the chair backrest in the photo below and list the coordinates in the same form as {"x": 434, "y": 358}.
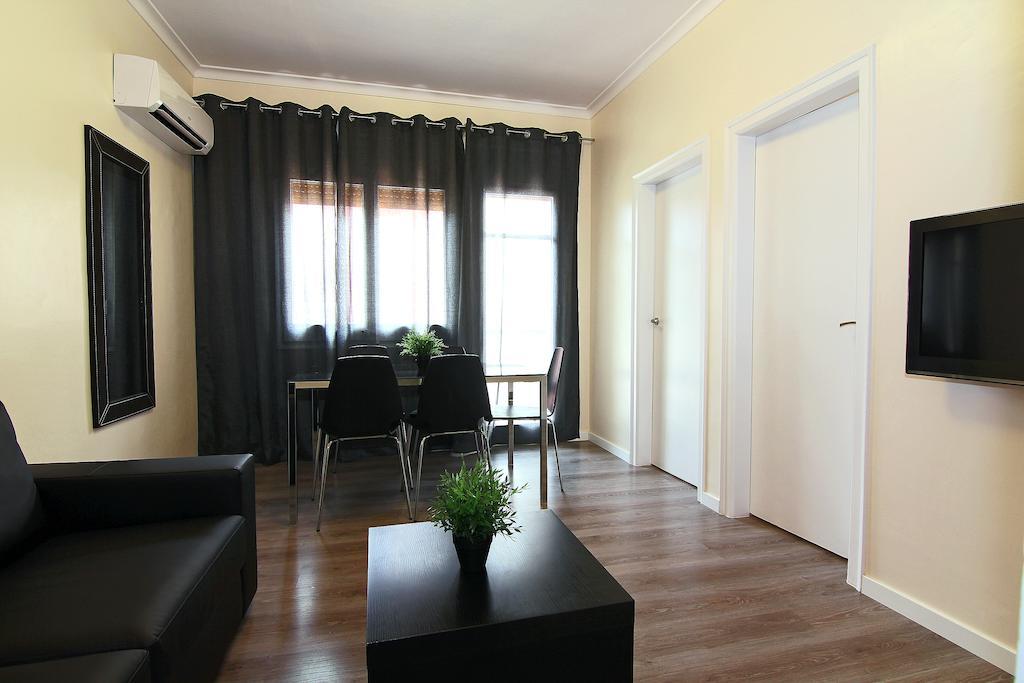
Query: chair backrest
{"x": 362, "y": 398}
{"x": 453, "y": 396}
{"x": 454, "y": 351}
{"x": 554, "y": 372}
{"x": 367, "y": 350}
{"x": 21, "y": 513}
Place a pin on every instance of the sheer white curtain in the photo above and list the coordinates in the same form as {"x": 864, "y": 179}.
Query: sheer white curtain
{"x": 398, "y": 283}
{"x": 519, "y": 279}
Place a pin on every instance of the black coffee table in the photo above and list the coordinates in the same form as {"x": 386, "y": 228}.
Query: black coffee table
{"x": 544, "y": 610}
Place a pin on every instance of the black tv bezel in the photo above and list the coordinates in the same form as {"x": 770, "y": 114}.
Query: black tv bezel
{"x": 936, "y": 366}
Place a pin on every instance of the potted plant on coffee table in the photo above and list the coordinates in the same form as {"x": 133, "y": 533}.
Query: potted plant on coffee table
{"x": 474, "y": 504}
{"x": 421, "y": 346}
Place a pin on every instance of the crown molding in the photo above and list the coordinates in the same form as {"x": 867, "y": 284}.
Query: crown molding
{"x": 683, "y": 25}
{"x": 223, "y": 73}
{"x": 151, "y": 15}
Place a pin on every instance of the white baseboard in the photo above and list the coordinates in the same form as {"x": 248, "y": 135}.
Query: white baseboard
{"x": 946, "y": 626}
{"x": 607, "y": 445}
{"x": 709, "y": 501}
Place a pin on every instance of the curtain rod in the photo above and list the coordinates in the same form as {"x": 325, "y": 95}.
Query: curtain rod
{"x": 373, "y": 119}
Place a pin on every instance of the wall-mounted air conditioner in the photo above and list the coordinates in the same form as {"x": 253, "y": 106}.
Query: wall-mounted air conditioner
{"x": 147, "y": 93}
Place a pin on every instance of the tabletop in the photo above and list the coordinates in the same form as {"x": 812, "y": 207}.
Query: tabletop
{"x": 415, "y": 587}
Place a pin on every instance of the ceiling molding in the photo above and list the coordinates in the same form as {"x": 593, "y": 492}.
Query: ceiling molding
{"x": 151, "y": 15}
{"x": 666, "y": 40}
{"x": 683, "y": 25}
{"x": 222, "y": 73}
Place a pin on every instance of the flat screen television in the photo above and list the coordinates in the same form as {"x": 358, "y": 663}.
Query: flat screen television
{"x": 965, "y": 317}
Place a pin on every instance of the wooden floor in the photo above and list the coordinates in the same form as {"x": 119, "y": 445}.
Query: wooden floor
{"x": 717, "y": 599}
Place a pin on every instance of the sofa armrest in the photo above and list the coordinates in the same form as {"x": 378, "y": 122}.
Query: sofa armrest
{"x": 79, "y": 496}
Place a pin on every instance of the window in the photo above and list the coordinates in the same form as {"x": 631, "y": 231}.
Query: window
{"x": 310, "y": 257}
{"x": 410, "y": 261}
{"x": 391, "y": 277}
{"x": 519, "y": 278}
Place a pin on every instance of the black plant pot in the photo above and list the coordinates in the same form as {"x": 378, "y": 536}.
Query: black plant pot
{"x": 421, "y": 365}
{"x": 472, "y": 552}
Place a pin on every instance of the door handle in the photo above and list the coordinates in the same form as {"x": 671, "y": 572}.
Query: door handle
{"x": 655, "y": 320}
{"x": 847, "y": 322}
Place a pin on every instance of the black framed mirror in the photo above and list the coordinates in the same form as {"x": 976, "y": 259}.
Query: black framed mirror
{"x": 120, "y": 280}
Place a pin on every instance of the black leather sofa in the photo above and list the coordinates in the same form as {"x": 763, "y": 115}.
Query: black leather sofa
{"x": 137, "y": 570}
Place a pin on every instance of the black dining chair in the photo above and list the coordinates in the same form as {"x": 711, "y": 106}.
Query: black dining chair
{"x": 362, "y": 403}
{"x": 367, "y": 350}
{"x": 510, "y": 414}
{"x": 454, "y": 351}
{"x": 453, "y": 401}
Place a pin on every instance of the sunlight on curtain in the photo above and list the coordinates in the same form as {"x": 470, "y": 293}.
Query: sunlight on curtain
{"x": 310, "y": 253}
{"x": 519, "y": 279}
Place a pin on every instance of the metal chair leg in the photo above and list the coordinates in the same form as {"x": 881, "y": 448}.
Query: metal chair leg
{"x": 486, "y": 441}
{"x": 400, "y": 442}
{"x": 419, "y": 477}
{"x": 316, "y": 461}
{"x": 558, "y": 466}
{"x": 323, "y": 485}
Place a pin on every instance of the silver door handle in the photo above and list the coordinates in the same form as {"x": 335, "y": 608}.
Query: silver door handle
{"x": 655, "y": 321}
{"x": 847, "y": 322}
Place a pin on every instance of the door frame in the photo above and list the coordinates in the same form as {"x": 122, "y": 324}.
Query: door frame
{"x": 853, "y": 75}
{"x": 645, "y": 183}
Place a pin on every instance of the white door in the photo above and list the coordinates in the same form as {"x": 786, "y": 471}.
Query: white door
{"x": 678, "y": 361}
{"x": 805, "y": 279}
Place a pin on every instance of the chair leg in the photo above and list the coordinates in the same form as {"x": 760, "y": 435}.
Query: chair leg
{"x": 400, "y": 442}
{"x": 316, "y": 461}
{"x": 558, "y": 466}
{"x": 419, "y": 477}
{"x": 323, "y": 484}
{"x": 486, "y": 440}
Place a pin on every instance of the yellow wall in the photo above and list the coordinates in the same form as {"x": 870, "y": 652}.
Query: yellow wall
{"x": 58, "y": 59}
{"x": 946, "y": 459}
{"x": 403, "y": 107}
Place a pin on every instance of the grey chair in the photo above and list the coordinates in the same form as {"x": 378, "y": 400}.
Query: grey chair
{"x": 511, "y": 414}
{"x": 362, "y": 403}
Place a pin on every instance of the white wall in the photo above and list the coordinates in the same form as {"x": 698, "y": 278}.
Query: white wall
{"x": 58, "y": 59}
{"x": 946, "y": 459}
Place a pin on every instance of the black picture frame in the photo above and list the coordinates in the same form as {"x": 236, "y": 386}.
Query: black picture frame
{"x": 917, "y": 361}
{"x": 120, "y": 280}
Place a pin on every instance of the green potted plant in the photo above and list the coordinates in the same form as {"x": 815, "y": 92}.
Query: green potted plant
{"x": 422, "y": 347}
{"x": 475, "y": 504}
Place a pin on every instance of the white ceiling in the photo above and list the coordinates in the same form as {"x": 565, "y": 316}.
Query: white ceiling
{"x": 567, "y": 54}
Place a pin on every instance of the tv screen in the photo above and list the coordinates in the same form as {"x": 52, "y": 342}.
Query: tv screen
{"x": 966, "y": 308}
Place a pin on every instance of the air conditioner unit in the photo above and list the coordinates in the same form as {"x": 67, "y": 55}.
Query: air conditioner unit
{"x": 147, "y": 93}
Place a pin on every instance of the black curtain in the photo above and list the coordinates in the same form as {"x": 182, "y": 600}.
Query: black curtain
{"x": 511, "y": 177}
{"x": 314, "y": 230}
{"x": 241, "y": 193}
{"x": 287, "y": 205}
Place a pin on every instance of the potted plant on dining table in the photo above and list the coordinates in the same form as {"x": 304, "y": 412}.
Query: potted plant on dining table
{"x": 422, "y": 346}
{"x": 475, "y": 504}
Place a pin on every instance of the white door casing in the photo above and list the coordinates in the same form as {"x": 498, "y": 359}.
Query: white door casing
{"x": 685, "y": 160}
{"x": 854, "y": 75}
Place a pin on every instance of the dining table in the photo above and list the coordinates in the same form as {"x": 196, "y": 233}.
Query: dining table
{"x": 310, "y": 383}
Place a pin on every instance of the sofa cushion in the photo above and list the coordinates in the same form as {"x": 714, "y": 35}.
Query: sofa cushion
{"x": 127, "y": 666}
{"x": 151, "y": 586}
{"x": 20, "y": 512}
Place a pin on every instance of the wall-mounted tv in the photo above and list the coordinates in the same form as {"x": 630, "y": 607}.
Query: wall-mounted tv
{"x": 965, "y": 317}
